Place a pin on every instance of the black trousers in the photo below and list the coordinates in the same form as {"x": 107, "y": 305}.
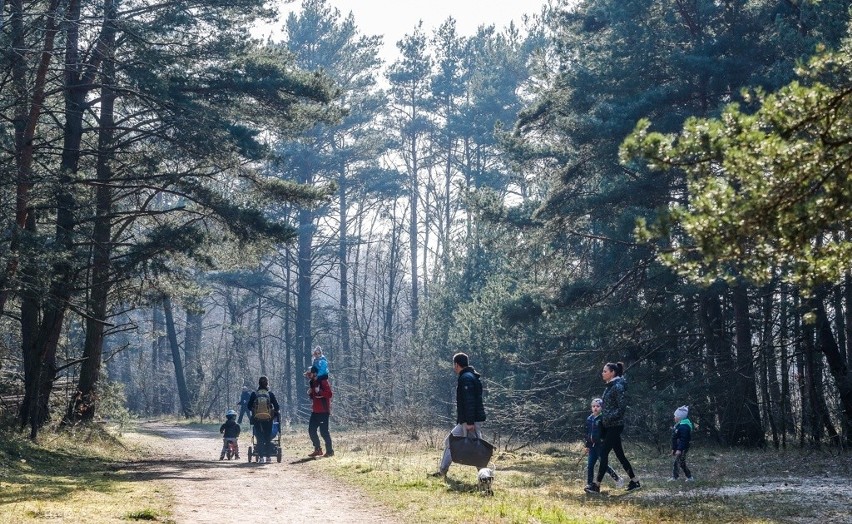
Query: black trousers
{"x": 612, "y": 442}
{"x": 319, "y": 421}
{"x": 263, "y": 432}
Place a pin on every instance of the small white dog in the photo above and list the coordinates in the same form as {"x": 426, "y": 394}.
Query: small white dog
{"x": 486, "y": 478}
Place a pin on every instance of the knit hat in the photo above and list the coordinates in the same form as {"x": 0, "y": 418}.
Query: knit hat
{"x": 682, "y": 412}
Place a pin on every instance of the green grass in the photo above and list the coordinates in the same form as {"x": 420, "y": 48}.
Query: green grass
{"x": 544, "y": 484}
{"x": 74, "y": 477}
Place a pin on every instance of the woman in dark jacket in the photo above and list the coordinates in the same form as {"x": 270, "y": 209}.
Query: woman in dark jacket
{"x": 612, "y": 424}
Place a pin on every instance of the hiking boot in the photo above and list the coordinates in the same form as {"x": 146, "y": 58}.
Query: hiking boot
{"x": 317, "y": 453}
{"x": 438, "y": 474}
{"x": 634, "y": 484}
{"x": 592, "y": 488}
{"x": 619, "y": 482}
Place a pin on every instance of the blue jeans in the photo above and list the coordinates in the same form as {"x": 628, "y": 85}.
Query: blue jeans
{"x": 594, "y": 454}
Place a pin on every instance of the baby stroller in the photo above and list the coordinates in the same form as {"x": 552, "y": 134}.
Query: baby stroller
{"x": 274, "y": 441}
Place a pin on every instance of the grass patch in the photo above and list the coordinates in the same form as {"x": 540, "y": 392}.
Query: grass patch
{"x": 77, "y": 476}
{"x": 544, "y": 484}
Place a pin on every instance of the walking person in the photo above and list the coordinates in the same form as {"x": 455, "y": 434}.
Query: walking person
{"x": 243, "y": 403}
{"x": 593, "y": 445}
{"x": 681, "y": 437}
{"x": 262, "y": 407}
{"x": 470, "y": 412}
{"x": 319, "y": 390}
{"x": 612, "y": 424}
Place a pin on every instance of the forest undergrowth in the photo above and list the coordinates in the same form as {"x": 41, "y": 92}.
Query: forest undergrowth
{"x": 544, "y": 483}
{"x": 82, "y": 476}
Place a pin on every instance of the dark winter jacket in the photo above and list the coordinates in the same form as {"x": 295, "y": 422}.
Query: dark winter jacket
{"x": 614, "y": 403}
{"x": 469, "y": 405}
{"x": 593, "y": 430}
{"x": 320, "y": 400}
{"x": 230, "y": 429}
{"x": 244, "y": 398}
{"x": 682, "y": 435}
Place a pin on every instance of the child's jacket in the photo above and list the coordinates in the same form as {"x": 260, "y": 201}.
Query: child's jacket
{"x": 593, "y": 431}
{"x": 682, "y": 435}
{"x": 230, "y": 429}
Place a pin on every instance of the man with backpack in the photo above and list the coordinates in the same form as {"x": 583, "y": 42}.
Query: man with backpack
{"x": 262, "y": 407}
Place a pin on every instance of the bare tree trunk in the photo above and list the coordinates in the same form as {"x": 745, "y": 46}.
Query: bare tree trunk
{"x": 83, "y": 405}
{"x": 767, "y": 365}
{"x": 838, "y": 369}
{"x": 343, "y": 260}
{"x": 713, "y": 329}
{"x": 192, "y": 350}
{"x": 183, "y": 393}
{"x": 259, "y": 331}
{"x": 749, "y": 427}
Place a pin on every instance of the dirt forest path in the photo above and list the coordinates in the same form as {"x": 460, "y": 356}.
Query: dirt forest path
{"x": 207, "y": 490}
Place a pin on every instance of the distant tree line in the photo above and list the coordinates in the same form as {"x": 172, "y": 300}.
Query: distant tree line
{"x": 193, "y": 209}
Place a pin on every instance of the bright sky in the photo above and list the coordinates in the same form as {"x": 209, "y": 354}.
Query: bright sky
{"x": 395, "y": 18}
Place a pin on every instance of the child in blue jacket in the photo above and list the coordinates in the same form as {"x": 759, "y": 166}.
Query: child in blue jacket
{"x": 593, "y": 444}
{"x": 681, "y": 436}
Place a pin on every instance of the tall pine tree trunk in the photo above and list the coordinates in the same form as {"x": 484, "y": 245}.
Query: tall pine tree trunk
{"x": 749, "y": 427}
{"x": 82, "y": 407}
{"x": 180, "y": 378}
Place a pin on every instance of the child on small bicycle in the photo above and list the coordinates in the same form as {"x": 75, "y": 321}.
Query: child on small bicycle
{"x": 230, "y": 431}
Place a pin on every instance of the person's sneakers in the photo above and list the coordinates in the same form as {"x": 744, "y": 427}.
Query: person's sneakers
{"x": 236, "y": 457}
{"x": 619, "y": 482}
{"x": 329, "y": 454}
{"x": 438, "y": 474}
{"x": 592, "y": 488}
{"x": 634, "y": 484}
{"x": 690, "y": 479}
{"x": 672, "y": 479}
{"x": 222, "y": 457}
{"x": 317, "y": 453}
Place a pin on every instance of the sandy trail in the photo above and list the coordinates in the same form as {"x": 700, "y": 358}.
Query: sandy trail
{"x": 207, "y": 490}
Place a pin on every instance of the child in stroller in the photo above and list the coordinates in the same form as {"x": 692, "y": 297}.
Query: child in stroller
{"x": 274, "y": 440}
{"x": 230, "y": 431}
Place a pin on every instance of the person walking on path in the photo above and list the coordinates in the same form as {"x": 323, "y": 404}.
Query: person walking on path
{"x": 230, "y": 431}
{"x": 320, "y": 393}
{"x": 612, "y": 424}
{"x": 470, "y": 411}
{"x": 681, "y": 436}
{"x": 243, "y": 403}
{"x": 262, "y": 407}
{"x": 593, "y": 445}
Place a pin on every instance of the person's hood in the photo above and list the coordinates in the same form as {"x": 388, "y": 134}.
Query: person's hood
{"x": 687, "y": 422}
{"x": 471, "y": 370}
{"x": 616, "y": 380}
